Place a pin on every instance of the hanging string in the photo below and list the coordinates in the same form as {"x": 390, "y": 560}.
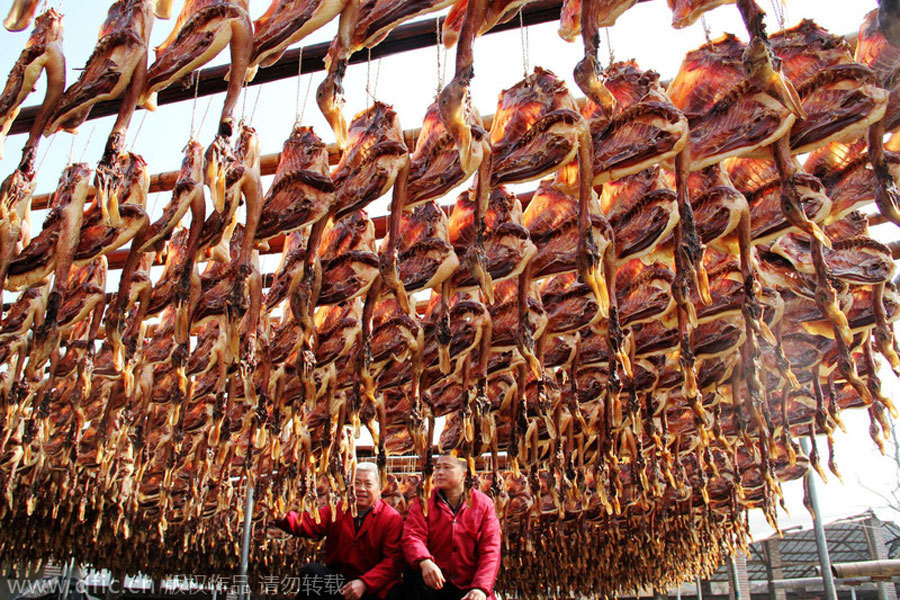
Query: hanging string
{"x": 255, "y": 103}
{"x": 706, "y": 32}
{"x": 46, "y": 152}
{"x": 377, "y": 79}
{"x": 244, "y": 103}
{"x": 297, "y": 111}
{"x": 305, "y": 100}
{"x": 368, "y": 72}
{"x": 87, "y": 143}
{"x": 138, "y": 132}
{"x": 612, "y": 56}
{"x": 71, "y": 150}
{"x": 194, "y": 105}
{"x": 523, "y": 36}
{"x": 437, "y": 53}
{"x": 779, "y": 9}
{"x": 205, "y": 112}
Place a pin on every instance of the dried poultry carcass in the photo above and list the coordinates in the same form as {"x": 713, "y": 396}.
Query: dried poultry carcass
{"x": 377, "y": 18}
{"x": 396, "y": 344}
{"x": 302, "y": 191}
{"x": 20, "y": 14}
{"x": 52, "y": 251}
{"x": 97, "y": 237}
{"x": 218, "y": 282}
{"x": 27, "y": 313}
{"x": 758, "y": 181}
{"x": 686, "y": 12}
{"x": 435, "y": 166}
{"x": 879, "y": 54}
{"x": 643, "y": 128}
{"x": 349, "y": 269}
{"x": 43, "y": 52}
{"x": 552, "y": 221}
{"x": 642, "y": 211}
{"x": 508, "y": 247}
{"x": 240, "y": 179}
{"x": 203, "y": 29}
{"x": 426, "y": 255}
{"x": 536, "y": 129}
{"x": 349, "y": 261}
{"x": 187, "y": 194}
{"x": 15, "y": 217}
{"x": 848, "y": 176}
{"x": 375, "y": 160}
{"x": 508, "y": 250}
{"x": 727, "y": 114}
{"x": 606, "y": 12}
{"x": 120, "y": 53}
{"x": 497, "y": 12}
{"x": 841, "y": 98}
{"x": 286, "y": 22}
{"x": 875, "y": 51}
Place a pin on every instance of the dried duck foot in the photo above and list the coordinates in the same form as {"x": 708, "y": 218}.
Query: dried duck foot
{"x": 390, "y": 277}
{"x": 451, "y": 105}
{"x": 218, "y": 158}
{"x": 476, "y": 261}
{"x": 589, "y": 263}
{"x": 884, "y": 333}
{"x": 763, "y": 68}
{"x": 106, "y": 180}
{"x": 330, "y": 98}
{"x": 587, "y": 76}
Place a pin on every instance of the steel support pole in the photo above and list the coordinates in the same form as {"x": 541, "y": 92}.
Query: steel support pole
{"x": 735, "y": 579}
{"x": 699, "y": 589}
{"x": 245, "y": 542}
{"x": 819, "y": 528}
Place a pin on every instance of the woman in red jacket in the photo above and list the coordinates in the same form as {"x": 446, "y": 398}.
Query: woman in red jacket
{"x": 455, "y": 552}
{"x": 363, "y": 558}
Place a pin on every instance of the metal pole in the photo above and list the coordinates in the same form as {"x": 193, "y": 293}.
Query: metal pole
{"x": 678, "y": 593}
{"x": 735, "y": 583}
{"x": 852, "y": 593}
{"x": 245, "y": 543}
{"x": 819, "y": 528}
{"x": 699, "y": 589}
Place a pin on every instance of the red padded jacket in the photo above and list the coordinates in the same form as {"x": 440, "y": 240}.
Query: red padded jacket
{"x": 465, "y": 546}
{"x": 372, "y": 554}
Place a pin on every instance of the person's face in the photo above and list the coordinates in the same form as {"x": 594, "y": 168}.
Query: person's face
{"x": 367, "y": 490}
{"x": 448, "y": 473}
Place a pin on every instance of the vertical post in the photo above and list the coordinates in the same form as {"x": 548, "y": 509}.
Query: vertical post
{"x": 699, "y": 589}
{"x": 735, "y": 579}
{"x": 774, "y": 568}
{"x": 852, "y": 592}
{"x": 678, "y": 593}
{"x": 245, "y": 542}
{"x": 819, "y": 528}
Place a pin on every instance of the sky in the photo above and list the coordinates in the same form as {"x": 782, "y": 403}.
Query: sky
{"x": 409, "y": 81}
